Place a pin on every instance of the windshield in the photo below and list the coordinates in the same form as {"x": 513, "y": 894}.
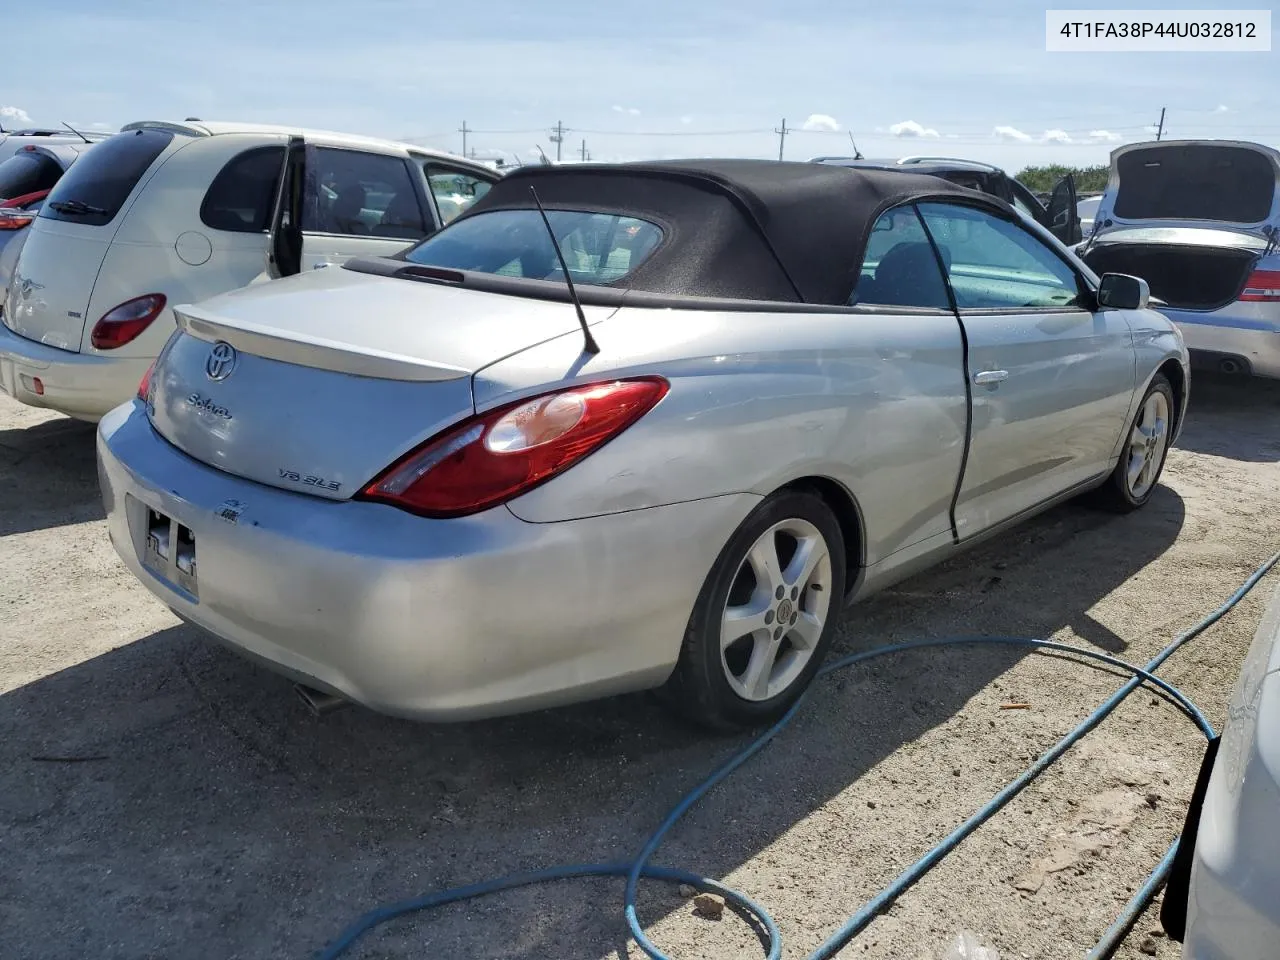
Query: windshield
{"x": 599, "y": 248}
{"x": 1195, "y": 182}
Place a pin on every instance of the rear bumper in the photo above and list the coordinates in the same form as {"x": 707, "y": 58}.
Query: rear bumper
{"x": 429, "y": 619}
{"x": 81, "y": 385}
{"x": 1243, "y": 331}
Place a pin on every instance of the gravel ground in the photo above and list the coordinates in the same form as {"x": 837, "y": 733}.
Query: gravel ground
{"x": 212, "y": 817}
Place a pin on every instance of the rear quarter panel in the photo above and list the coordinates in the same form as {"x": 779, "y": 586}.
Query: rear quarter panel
{"x": 143, "y": 257}
{"x": 1156, "y": 342}
{"x": 875, "y": 402}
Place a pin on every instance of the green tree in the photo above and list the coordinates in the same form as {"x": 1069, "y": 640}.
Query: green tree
{"x": 1043, "y": 179}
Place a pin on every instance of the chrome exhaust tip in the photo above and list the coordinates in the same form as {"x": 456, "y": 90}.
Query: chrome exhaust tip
{"x": 1229, "y": 366}
{"x": 319, "y": 702}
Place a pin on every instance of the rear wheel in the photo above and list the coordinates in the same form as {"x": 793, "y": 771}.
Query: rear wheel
{"x": 765, "y": 616}
{"x": 1146, "y": 447}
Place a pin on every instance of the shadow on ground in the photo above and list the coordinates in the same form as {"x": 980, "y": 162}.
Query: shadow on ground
{"x": 171, "y": 800}
{"x": 1235, "y": 417}
{"x": 48, "y": 476}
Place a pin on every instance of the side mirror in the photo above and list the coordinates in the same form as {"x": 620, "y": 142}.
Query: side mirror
{"x": 1119, "y": 291}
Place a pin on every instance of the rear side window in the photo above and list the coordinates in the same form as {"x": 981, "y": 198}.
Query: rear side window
{"x": 98, "y": 184}
{"x": 28, "y": 172}
{"x": 454, "y": 190}
{"x": 361, "y": 194}
{"x": 598, "y": 248}
{"x": 900, "y": 268}
{"x": 242, "y": 195}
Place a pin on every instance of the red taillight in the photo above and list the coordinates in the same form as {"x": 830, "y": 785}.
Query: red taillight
{"x": 1262, "y": 286}
{"x": 121, "y": 324}
{"x": 14, "y": 219}
{"x": 25, "y": 199}
{"x": 492, "y": 457}
{"x": 144, "y": 385}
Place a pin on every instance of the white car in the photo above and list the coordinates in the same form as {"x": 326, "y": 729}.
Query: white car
{"x": 1199, "y": 220}
{"x": 13, "y": 141}
{"x": 1226, "y": 878}
{"x": 169, "y": 213}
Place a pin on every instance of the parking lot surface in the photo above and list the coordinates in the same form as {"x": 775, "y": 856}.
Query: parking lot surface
{"x": 162, "y": 798}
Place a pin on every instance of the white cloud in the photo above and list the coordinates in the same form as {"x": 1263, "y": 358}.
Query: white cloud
{"x": 633, "y": 111}
{"x": 99, "y": 126}
{"x": 1056, "y": 136}
{"x": 1222, "y": 108}
{"x": 1105, "y": 135}
{"x": 909, "y": 128}
{"x": 820, "y": 121}
{"x": 1012, "y": 133}
{"x": 12, "y": 115}
{"x": 618, "y": 108}
{"x": 686, "y": 120}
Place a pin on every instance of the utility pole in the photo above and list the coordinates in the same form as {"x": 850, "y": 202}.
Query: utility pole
{"x": 464, "y": 131}
{"x": 782, "y": 136}
{"x": 1160, "y": 128}
{"x": 558, "y": 138}
{"x": 584, "y": 151}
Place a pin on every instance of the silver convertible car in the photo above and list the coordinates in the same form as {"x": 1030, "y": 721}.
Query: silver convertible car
{"x": 495, "y": 473}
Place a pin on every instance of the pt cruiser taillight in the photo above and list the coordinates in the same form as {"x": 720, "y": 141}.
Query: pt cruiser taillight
{"x": 123, "y": 323}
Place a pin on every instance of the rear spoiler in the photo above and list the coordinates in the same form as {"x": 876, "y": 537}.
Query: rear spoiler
{"x": 180, "y": 128}
{"x": 310, "y": 351}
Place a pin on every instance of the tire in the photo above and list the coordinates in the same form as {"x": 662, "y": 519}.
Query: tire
{"x": 1152, "y": 426}
{"x": 758, "y": 675}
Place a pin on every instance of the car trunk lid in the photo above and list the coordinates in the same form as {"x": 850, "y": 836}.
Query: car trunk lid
{"x": 48, "y": 296}
{"x": 1228, "y": 183}
{"x": 315, "y": 383}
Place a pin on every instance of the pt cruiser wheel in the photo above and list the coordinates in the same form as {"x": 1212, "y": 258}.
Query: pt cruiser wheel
{"x": 765, "y": 616}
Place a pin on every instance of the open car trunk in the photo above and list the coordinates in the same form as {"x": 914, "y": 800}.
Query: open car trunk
{"x": 1225, "y": 182}
{"x": 1186, "y": 277}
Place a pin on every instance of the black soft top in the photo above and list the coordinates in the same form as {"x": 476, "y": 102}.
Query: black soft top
{"x": 736, "y": 229}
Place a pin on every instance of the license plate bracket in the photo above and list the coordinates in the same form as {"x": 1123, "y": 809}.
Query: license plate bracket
{"x": 169, "y": 550}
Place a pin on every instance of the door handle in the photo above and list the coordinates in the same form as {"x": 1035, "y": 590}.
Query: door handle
{"x": 989, "y": 377}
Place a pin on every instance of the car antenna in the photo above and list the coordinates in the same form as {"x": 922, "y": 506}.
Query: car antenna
{"x": 590, "y": 344}
{"x": 76, "y": 132}
{"x": 543, "y": 154}
{"x": 857, "y": 154}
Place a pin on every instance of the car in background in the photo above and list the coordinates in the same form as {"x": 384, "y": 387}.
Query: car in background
{"x": 1223, "y": 895}
{"x": 448, "y": 484}
{"x": 11, "y": 141}
{"x": 1057, "y": 213}
{"x": 26, "y": 178}
{"x": 1199, "y": 220}
{"x": 1087, "y": 207}
{"x": 164, "y": 213}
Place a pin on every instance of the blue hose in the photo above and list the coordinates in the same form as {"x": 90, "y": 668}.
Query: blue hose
{"x": 640, "y": 867}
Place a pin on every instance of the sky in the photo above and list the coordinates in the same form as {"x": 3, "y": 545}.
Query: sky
{"x": 658, "y": 79}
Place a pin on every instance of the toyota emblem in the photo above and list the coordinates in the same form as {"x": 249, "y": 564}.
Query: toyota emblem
{"x": 222, "y": 360}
